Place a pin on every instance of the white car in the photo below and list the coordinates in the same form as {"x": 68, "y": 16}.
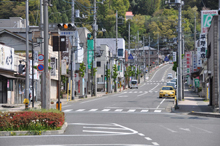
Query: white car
{"x": 169, "y": 76}
{"x": 171, "y": 84}
{"x": 134, "y": 84}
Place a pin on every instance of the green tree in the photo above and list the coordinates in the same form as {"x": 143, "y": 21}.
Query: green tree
{"x": 115, "y": 75}
{"x": 82, "y": 69}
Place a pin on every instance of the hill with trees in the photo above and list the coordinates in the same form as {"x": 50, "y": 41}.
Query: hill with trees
{"x": 152, "y": 17}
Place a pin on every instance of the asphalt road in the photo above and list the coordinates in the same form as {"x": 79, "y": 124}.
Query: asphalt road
{"x": 135, "y": 117}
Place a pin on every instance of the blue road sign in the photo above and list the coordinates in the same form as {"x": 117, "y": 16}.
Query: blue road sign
{"x": 130, "y": 57}
{"x": 40, "y": 67}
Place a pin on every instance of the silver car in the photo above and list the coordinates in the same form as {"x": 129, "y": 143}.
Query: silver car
{"x": 169, "y": 76}
{"x": 134, "y": 84}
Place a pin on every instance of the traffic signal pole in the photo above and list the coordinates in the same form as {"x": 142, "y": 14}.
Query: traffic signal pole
{"x": 94, "y": 35}
{"x": 73, "y": 57}
{"x": 27, "y": 53}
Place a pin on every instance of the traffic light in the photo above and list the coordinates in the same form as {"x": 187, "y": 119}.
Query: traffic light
{"x": 66, "y": 26}
{"x": 21, "y": 68}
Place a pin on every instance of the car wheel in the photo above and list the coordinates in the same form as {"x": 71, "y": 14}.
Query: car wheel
{"x": 160, "y": 97}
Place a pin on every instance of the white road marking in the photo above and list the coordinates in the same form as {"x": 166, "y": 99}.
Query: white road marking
{"x": 123, "y": 96}
{"x": 154, "y": 143}
{"x": 130, "y": 92}
{"x": 155, "y": 87}
{"x": 201, "y": 129}
{"x": 104, "y": 128}
{"x": 142, "y": 85}
{"x": 68, "y": 110}
{"x": 134, "y": 108}
{"x": 131, "y": 110}
{"x": 80, "y": 110}
{"x": 92, "y": 110}
{"x": 141, "y": 134}
{"x": 146, "y": 91}
{"x": 135, "y": 91}
{"x": 157, "y": 111}
{"x": 106, "y": 110}
{"x": 118, "y": 110}
{"x": 161, "y": 102}
{"x": 66, "y": 106}
{"x": 148, "y": 138}
{"x": 140, "y": 91}
{"x": 185, "y": 129}
{"x": 168, "y": 129}
{"x": 144, "y": 111}
{"x": 125, "y": 92}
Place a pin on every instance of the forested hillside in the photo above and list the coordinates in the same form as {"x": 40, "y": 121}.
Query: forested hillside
{"x": 152, "y": 17}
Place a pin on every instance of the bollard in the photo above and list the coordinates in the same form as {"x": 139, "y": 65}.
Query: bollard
{"x": 60, "y": 105}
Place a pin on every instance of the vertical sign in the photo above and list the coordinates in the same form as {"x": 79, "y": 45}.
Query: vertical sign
{"x": 207, "y": 19}
{"x": 184, "y": 67}
{"x": 199, "y": 61}
{"x": 35, "y": 56}
{"x": 195, "y": 62}
{"x": 203, "y": 45}
{"x": 53, "y": 66}
{"x": 63, "y": 67}
{"x": 90, "y": 53}
{"x": 174, "y": 56}
{"x": 188, "y": 62}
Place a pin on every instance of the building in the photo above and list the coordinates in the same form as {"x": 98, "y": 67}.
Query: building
{"x": 129, "y": 15}
{"x": 212, "y": 63}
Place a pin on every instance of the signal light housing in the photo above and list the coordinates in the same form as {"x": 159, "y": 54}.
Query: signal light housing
{"x": 66, "y": 26}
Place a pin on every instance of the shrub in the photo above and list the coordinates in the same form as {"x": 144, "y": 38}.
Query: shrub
{"x": 31, "y": 120}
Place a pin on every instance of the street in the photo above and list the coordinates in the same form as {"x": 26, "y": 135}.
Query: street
{"x": 134, "y": 117}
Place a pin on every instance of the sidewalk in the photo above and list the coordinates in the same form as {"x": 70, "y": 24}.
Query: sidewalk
{"x": 193, "y": 104}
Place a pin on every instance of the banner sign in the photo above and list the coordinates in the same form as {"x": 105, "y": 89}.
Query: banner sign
{"x": 90, "y": 53}
{"x": 6, "y": 57}
{"x": 63, "y": 67}
{"x": 194, "y": 62}
{"x": 188, "y": 62}
{"x": 53, "y": 66}
{"x": 206, "y": 19}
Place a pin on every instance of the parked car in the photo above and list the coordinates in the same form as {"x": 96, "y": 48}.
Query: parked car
{"x": 170, "y": 62}
{"x": 171, "y": 84}
{"x": 167, "y": 91}
{"x": 174, "y": 80}
{"x": 169, "y": 76}
{"x": 134, "y": 84}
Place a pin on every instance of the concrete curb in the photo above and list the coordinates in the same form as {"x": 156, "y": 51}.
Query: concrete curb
{"x": 205, "y": 114}
{"x": 23, "y": 133}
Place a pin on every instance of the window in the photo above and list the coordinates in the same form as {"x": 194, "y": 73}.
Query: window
{"x": 120, "y": 52}
{"x": 98, "y": 63}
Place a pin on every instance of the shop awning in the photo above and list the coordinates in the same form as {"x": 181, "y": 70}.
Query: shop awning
{"x": 8, "y": 76}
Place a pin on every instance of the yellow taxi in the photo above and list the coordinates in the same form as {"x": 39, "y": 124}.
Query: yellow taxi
{"x": 167, "y": 91}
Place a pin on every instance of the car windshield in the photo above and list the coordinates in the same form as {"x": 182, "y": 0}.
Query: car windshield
{"x": 133, "y": 82}
{"x": 167, "y": 88}
{"x": 169, "y": 74}
{"x": 173, "y": 80}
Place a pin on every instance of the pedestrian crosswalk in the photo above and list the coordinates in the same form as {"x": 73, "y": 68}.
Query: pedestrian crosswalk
{"x": 115, "y": 110}
{"x": 163, "y": 81}
{"x": 141, "y": 92}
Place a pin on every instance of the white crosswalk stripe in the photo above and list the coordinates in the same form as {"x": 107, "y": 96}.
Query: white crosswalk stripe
{"x": 80, "y": 110}
{"x": 92, "y": 110}
{"x": 157, "y": 111}
{"x": 131, "y": 110}
{"x": 68, "y": 110}
{"x": 144, "y": 111}
{"x": 106, "y": 110}
{"x": 118, "y": 110}
{"x": 140, "y": 91}
{"x": 135, "y": 91}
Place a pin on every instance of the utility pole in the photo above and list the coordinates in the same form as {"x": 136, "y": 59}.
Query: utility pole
{"x": 32, "y": 73}
{"x": 27, "y": 53}
{"x": 42, "y": 52}
{"x": 195, "y": 34}
{"x": 46, "y": 83}
{"x": 94, "y": 39}
{"x": 158, "y": 40}
{"x": 183, "y": 82}
{"x": 180, "y": 50}
{"x": 219, "y": 57}
{"x": 73, "y": 57}
{"x": 144, "y": 61}
{"x": 149, "y": 55}
{"x": 116, "y": 26}
{"x": 129, "y": 41}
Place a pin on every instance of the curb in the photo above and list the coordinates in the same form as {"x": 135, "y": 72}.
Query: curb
{"x": 205, "y": 114}
{"x": 26, "y": 133}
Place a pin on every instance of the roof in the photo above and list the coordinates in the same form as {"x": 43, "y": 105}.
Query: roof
{"x": 145, "y": 48}
{"x": 129, "y": 13}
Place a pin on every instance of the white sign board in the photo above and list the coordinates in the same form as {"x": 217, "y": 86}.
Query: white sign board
{"x": 35, "y": 56}
{"x": 53, "y": 66}
{"x": 195, "y": 62}
{"x": 63, "y": 67}
{"x": 207, "y": 19}
{"x": 36, "y": 73}
{"x": 199, "y": 61}
{"x": 6, "y": 57}
{"x": 174, "y": 56}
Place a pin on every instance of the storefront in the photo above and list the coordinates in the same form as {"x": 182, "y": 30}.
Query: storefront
{"x": 6, "y": 74}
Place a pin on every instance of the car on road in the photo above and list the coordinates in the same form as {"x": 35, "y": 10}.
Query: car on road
{"x": 170, "y": 62}
{"x": 134, "y": 84}
{"x": 169, "y": 76}
{"x": 167, "y": 91}
{"x": 174, "y": 80}
{"x": 171, "y": 84}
